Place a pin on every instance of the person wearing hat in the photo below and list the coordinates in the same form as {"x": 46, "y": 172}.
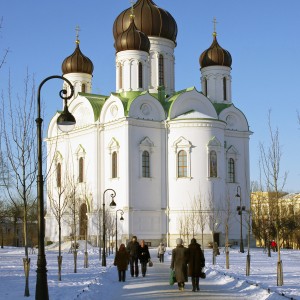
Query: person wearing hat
{"x": 196, "y": 263}
{"x": 180, "y": 257}
{"x": 122, "y": 261}
{"x": 133, "y": 250}
{"x": 161, "y": 252}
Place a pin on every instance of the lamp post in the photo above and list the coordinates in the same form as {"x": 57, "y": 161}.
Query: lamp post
{"x": 121, "y": 219}
{"x": 65, "y": 122}
{"x": 112, "y": 205}
{"x": 240, "y": 210}
{"x": 248, "y": 253}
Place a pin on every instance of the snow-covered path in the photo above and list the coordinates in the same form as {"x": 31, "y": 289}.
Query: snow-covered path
{"x": 156, "y": 286}
{"x": 101, "y": 283}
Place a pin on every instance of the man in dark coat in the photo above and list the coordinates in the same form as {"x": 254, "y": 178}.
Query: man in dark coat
{"x": 179, "y": 263}
{"x": 196, "y": 263}
{"x": 133, "y": 250}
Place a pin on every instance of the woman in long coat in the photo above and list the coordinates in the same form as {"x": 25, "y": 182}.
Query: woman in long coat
{"x": 179, "y": 262}
{"x": 196, "y": 263}
{"x": 122, "y": 261}
{"x": 144, "y": 257}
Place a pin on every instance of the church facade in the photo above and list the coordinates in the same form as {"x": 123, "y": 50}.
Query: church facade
{"x": 175, "y": 159}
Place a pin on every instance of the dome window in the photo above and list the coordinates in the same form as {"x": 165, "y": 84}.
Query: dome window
{"x": 205, "y": 86}
{"x": 120, "y": 77}
{"x": 140, "y": 75}
{"x": 83, "y": 88}
{"x": 224, "y": 89}
{"x": 161, "y": 75}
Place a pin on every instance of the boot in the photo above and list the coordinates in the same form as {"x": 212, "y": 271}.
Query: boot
{"x": 194, "y": 284}
{"x": 197, "y": 283}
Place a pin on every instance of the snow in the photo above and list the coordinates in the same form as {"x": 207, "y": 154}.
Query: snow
{"x": 97, "y": 282}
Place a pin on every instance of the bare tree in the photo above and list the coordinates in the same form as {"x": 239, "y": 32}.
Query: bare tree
{"x": 18, "y": 143}
{"x": 5, "y": 53}
{"x": 215, "y": 219}
{"x": 275, "y": 182}
{"x": 73, "y": 208}
{"x": 227, "y": 222}
{"x": 58, "y": 204}
{"x": 201, "y": 216}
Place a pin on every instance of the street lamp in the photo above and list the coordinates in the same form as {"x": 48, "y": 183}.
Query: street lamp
{"x": 112, "y": 205}
{"x": 65, "y": 122}
{"x": 240, "y": 210}
{"x": 121, "y": 219}
{"x": 248, "y": 253}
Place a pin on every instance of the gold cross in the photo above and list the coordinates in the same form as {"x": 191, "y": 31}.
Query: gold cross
{"x": 132, "y": 9}
{"x": 215, "y": 24}
{"x": 77, "y": 29}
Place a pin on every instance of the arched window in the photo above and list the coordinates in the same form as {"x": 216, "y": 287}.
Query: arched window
{"x": 80, "y": 170}
{"x": 224, "y": 89}
{"x": 114, "y": 165}
{"x": 205, "y": 86}
{"x": 146, "y": 164}
{"x": 58, "y": 175}
{"x": 83, "y": 88}
{"x": 161, "y": 76}
{"x": 83, "y": 221}
{"x": 182, "y": 163}
{"x": 231, "y": 170}
{"x": 120, "y": 77}
{"x": 140, "y": 75}
{"x": 213, "y": 164}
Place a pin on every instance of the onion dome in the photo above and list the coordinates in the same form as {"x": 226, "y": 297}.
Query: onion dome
{"x": 215, "y": 55}
{"x": 149, "y": 18}
{"x": 132, "y": 39}
{"x": 77, "y": 62}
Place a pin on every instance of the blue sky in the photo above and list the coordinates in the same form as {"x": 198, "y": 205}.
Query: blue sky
{"x": 261, "y": 35}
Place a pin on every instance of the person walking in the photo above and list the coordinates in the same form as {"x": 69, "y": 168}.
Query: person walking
{"x": 122, "y": 261}
{"x": 133, "y": 250}
{"x": 180, "y": 257}
{"x": 195, "y": 263}
{"x": 161, "y": 252}
{"x": 144, "y": 257}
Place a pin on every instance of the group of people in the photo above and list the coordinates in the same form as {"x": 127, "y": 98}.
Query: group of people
{"x": 186, "y": 262}
{"x": 131, "y": 255}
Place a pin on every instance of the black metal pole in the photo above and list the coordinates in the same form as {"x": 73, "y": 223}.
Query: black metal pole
{"x": 41, "y": 292}
{"x": 103, "y": 235}
{"x": 116, "y": 230}
{"x": 103, "y": 226}
{"x": 240, "y": 211}
{"x": 241, "y": 239}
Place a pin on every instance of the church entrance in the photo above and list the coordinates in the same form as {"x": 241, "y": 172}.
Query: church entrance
{"x": 82, "y": 221}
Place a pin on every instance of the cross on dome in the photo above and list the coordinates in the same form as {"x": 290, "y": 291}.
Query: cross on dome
{"x": 215, "y": 26}
{"x": 77, "y": 29}
{"x": 132, "y": 9}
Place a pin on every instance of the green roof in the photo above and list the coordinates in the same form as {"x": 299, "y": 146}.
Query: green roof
{"x": 96, "y": 102}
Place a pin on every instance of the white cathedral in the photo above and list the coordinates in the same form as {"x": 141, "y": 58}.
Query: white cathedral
{"x": 170, "y": 156}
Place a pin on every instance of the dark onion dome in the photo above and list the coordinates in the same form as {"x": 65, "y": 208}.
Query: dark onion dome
{"x": 77, "y": 62}
{"x": 215, "y": 55}
{"x": 149, "y": 18}
{"x": 132, "y": 39}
